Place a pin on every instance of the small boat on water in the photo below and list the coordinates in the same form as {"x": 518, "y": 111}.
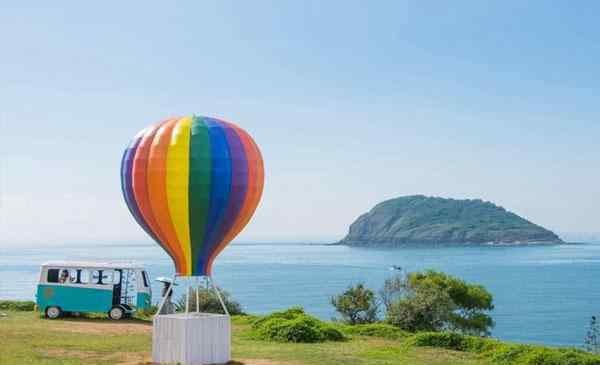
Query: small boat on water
{"x": 396, "y": 268}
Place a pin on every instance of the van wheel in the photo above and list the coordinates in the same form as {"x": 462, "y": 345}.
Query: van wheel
{"x": 116, "y": 313}
{"x": 53, "y": 312}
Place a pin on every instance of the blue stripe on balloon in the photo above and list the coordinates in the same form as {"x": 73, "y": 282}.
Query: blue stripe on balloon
{"x": 220, "y": 190}
{"x": 239, "y": 182}
{"x": 126, "y": 184}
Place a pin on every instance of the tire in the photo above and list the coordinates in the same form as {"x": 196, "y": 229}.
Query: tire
{"x": 116, "y": 313}
{"x": 53, "y": 312}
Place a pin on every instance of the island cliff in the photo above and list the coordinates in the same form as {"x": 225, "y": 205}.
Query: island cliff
{"x": 418, "y": 219}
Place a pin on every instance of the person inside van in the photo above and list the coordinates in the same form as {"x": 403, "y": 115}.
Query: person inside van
{"x": 64, "y": 276}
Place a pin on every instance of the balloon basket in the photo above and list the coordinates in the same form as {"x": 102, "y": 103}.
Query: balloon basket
{"x": 191, "y": 337}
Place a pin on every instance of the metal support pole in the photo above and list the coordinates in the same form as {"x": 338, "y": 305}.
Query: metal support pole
{"x": 212, "y": 282}
{"x": 164, "y": 299}
{"x": 198, "y": 295}
{"x": 187, "y": 299}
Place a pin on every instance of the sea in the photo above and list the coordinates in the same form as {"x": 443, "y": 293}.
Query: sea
{"x": 542, "y": 294}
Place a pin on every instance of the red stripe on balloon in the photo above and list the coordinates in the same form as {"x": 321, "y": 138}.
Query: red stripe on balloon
{"x": 140, "y": 186}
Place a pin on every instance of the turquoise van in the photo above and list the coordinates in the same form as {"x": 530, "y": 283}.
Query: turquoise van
{"x": 118, "y": 289}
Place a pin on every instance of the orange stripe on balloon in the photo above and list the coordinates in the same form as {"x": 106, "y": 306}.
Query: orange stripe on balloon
{"x": 157, "y": 188}
{"x": 140, "y": 185}
{"x": 260, "y": 181}
{"x": 253, "y": 194}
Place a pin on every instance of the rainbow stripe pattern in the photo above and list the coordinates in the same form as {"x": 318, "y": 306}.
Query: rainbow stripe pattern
{"x": 192, "y": 183}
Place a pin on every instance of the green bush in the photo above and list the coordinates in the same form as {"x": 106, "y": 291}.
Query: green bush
{"x": 452, "y": 341}
{"x": 500, "y": 353}
{"x": 293, "y": 325}
{"x": 17, "y": 305}
{"x": 382, "y": 330}
{"x": 209, "y": 302}
{"x": 331, "y": 333}
{"x": 290, "y": 313}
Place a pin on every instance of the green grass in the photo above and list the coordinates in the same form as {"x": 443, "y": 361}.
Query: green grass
{"x": 501, "y": 353}
{"x": 358, "y": 350}
{"x": 17, "y": 305}
{"x": 26, "y": 338}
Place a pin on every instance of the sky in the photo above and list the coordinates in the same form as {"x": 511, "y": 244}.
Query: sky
{"x": 351, "y": 103}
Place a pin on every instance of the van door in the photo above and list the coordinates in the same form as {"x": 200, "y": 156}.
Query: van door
{"x": 117, "y": 281}
{"x": 144, "y": 292}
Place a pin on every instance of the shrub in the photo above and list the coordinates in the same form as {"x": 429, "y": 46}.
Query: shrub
{"x": 356, "y": 305}
{"x": 300, "y": 329}
{"x": 209, "y": 302}
{"x": 382, "y": 330}
{"x": 293, "y": 325}
{"x": 500, "y": 353}
{"x": 331, "y": 333}
{"x": 450, "y": 341}
{"x": 17, "y": 305}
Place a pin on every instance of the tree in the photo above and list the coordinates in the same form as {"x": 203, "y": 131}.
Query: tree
{"x": 592, "y": 337}
{"x": 471, "y": 301}
{"x": 394, "y": 288}
{"x": 425, "y": 309}
{"x": 433, "y": 300}
{"x": 356, "y": 305}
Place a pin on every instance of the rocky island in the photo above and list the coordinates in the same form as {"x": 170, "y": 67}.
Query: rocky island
{"x": 419, "y": 219}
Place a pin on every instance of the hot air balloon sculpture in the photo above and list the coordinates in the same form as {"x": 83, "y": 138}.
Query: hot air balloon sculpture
{"x": 192, "y": 183}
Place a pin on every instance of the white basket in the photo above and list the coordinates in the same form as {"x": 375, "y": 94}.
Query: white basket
{"x": 191, "y": 339}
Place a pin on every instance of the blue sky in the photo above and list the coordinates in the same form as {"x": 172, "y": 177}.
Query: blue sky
{"x": 351, "y": 102}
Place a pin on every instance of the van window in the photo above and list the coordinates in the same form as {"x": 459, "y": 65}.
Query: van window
{"x": 72, "y": 276}
{"x": 107, "y": 277}
{"x": 84, "y": 276}
{"x": 116, "y": 277}
{"x": 52, "y": 275}
{"x": 96, "y": 279}
{"x": 63, "y": 277}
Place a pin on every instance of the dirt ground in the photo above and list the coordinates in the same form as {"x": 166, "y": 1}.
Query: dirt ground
{"x": 100, "y": 327}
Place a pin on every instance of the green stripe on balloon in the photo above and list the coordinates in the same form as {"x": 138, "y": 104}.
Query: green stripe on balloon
{"x": 199, "y": 186}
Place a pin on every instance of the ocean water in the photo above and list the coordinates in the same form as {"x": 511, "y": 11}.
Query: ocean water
{"x": 542, "y": 294}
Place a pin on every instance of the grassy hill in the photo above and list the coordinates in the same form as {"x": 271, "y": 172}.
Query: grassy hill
{"x": 419, "y": 219}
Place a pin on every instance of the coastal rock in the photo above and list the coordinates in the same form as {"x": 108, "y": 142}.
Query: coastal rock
{"x": 419, "y": 219}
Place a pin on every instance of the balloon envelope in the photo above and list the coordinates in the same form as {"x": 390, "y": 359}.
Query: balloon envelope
{"x": 192, "y": 184}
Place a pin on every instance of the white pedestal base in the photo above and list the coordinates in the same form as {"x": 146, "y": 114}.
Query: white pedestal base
{"x": 191, "y": 339}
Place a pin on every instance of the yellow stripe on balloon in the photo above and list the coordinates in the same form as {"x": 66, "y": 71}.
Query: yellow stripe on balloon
{"x": 178, "y": 171}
